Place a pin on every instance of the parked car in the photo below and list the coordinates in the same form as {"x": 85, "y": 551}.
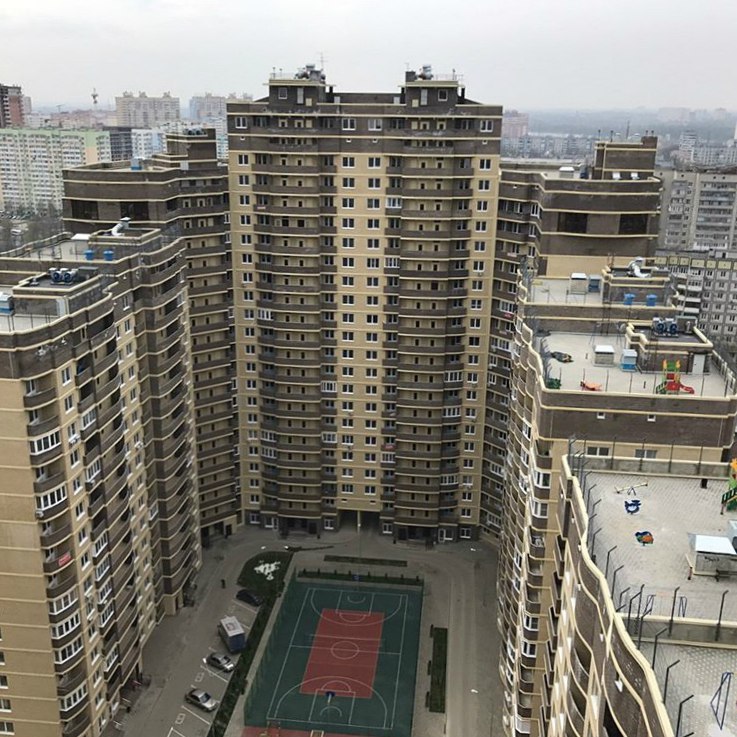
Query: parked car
{"x": 221, "y": 661}
{"x": 201, "y": 699}
{"x": 249, "y": 597}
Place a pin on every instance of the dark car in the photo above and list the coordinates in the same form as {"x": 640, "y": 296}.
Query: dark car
{"x": 249, "y": 597}
{"x": 201, "y": 699}
{"x": 221, "y": 662}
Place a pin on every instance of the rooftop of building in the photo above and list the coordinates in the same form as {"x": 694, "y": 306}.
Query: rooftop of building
{"x": 612, "y": 332}
{"x": 671, "y": 508}
{"x": 652, "y": 550}
{"x": 41, "y": 299}
{"x": 65, "y": 280}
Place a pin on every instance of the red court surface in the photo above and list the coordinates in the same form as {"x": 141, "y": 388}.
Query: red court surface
{"x": 344, "y": 654}
{"x": 281, "y": 732}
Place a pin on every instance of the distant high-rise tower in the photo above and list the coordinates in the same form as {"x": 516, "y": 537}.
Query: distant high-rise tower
{"x": 11, "y": 106}
{"x": 363, "y": 238}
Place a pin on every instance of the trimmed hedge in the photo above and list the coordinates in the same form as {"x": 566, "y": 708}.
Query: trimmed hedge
{"x": 362, "y": 577}
{"x": 366, "y": 561}
{"x": 437, "y": 669}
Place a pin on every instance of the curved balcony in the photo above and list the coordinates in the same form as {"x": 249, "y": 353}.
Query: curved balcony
{"x": 39, "y": 398}
{"x": 76, "y": 726}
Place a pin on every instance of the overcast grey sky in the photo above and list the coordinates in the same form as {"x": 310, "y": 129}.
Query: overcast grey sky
{"x": 519, "y": 53}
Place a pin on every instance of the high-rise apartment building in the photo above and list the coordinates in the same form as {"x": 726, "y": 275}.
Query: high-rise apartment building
{"x": 184, "y": 194}
{"x": 12, "y": 106}
{"x": 143, "y": 111}
{"x": 363, "y": 235}
{"x": 203, "y": 108}
{"x": 99, "y": 511}
{"x": 596, "y": 352}
{"x": 32, "y": 161}
{"x": 570, "y": 220}
{"x": 699, "y": 212}
{"x": 609, "y": 378}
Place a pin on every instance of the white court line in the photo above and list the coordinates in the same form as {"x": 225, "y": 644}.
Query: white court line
{"x": 312, "y": 706}
{"x": 283, "y": 665}
{"x": 202, "y": 719}
{"x": 353, "y": 704}
{"x": 399, "y": 660}
{"x": 319, "y": 647}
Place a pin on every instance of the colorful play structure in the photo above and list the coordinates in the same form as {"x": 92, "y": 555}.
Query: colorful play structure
{"x": 671, "y": 383}
{"x": 590, "y": 386}
{"x": 729, "y": 498}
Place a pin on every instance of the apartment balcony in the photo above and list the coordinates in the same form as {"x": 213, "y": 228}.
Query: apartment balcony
{"x": 76, "y": 726}
{"x": 575, "y": 717}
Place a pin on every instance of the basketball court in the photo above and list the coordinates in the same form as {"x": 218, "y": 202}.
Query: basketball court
{"x": 342, "y": 659}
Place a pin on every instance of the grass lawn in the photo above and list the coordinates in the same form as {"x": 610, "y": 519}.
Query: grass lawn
{"x": 264, "y": 573}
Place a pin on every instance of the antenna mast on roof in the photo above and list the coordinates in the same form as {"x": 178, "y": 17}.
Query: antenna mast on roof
{"x": 94, "y": 97}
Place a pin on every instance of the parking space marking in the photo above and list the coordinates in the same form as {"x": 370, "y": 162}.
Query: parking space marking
{"x": 173, "y": 731}
{"x": 180, "y": 718}
{"x": 198, "y": 678}
{"x": 244, "y": 606}
{"x": 214, "y": 675}
{"x": 202, "y": 719}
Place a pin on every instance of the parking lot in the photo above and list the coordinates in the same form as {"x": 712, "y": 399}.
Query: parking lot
{"x": 175, "y": 656}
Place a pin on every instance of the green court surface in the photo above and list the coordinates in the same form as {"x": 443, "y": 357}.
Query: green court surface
{"x": 342, "y": 657}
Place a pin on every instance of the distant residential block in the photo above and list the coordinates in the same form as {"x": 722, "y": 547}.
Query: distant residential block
{"x": 143, "y": 111}
{"x": 32, "y": 161}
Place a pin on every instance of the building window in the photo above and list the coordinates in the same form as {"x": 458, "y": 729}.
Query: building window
{"x": 348, "y": 124}
{"x": 646, "y": 453}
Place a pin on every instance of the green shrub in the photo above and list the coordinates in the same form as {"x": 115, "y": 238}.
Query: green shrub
{"x": 437, "y": 669}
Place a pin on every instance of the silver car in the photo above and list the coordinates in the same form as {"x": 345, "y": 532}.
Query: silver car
{"x": 201, "y": 699}
{"x": 221, "y": 661}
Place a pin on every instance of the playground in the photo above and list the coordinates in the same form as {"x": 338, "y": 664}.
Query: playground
{"x": 341, "y": 659}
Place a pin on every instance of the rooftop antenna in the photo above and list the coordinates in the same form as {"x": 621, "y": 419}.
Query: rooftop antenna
{"x": 322, "y": 60}
{"x": 94, "y": 97}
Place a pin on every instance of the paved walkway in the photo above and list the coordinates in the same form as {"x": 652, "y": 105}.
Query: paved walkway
{"x": 460, "y": 594}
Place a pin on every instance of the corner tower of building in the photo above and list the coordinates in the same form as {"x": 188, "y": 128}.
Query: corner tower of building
{"x": 363, "y": 231}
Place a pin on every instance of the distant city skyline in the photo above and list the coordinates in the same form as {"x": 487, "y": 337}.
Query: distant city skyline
{"x": 575, "y": 55}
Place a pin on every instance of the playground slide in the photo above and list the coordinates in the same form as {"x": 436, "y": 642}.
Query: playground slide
{"x": 673, "y": 386}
